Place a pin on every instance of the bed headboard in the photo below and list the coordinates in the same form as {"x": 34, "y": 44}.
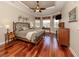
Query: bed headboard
{"x": 18, "y": 26}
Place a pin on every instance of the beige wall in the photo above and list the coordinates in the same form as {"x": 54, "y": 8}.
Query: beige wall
{"x": 74, "y": 26}
{"x": 8, "y": 14}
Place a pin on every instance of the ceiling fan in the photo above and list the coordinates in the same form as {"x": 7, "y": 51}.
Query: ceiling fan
{"x": 38, "y": 8}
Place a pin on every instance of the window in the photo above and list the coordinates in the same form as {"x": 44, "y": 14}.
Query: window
{"x": 37, "y": 23}
{"x": 31, "y": 25}
{"x": 46, "y": 23}
{"x": 56, "y": 22}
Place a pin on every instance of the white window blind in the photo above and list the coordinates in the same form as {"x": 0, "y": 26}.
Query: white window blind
{"x": 37, "y": 23}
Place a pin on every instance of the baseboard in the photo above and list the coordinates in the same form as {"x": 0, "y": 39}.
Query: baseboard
{"x": 4, "y": 42}
{"x": 75, "y": 55}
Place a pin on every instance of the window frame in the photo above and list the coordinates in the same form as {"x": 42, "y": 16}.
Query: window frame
{"x": 49, "y": 23}
{"x": 36, "y": 21}
{"x": 56, "y": 23}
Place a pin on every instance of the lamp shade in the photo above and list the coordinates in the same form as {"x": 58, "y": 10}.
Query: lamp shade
{"x": 7, "y": 26}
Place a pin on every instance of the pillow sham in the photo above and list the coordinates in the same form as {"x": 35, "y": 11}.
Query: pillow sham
{"x": 24, "y": 28}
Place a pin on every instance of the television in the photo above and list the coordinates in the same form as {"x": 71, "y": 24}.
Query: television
{"x": 58, "y": 17}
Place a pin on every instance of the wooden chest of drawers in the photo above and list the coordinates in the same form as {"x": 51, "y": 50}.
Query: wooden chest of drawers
{"x": 63, "y": 35}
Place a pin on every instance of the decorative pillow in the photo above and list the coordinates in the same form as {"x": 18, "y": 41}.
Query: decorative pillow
{"x": 18, "y": 28}
{"x": 24, "y": 28}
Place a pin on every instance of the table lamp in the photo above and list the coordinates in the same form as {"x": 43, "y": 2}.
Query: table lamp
{"x": 7, "y": 27}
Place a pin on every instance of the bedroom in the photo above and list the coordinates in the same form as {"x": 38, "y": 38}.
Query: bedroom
{"x": 33, "y": 26}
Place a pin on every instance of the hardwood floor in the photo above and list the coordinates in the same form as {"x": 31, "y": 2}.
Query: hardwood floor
{"x": 47, "y": 47}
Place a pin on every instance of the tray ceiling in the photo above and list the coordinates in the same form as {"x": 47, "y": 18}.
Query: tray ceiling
{"x": 51, "y": 6}
{"x": 42, "y": 4}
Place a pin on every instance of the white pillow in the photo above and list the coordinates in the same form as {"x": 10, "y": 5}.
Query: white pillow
{"x": 24, "y": 28}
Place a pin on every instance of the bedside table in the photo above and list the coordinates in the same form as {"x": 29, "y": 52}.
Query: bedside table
{"x": 9, "y": 37}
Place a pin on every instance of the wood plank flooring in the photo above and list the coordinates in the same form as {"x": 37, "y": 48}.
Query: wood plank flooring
{"x": 47, "y": 47}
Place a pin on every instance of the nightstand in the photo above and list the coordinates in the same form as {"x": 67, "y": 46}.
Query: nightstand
{"x": 9, "y": 37}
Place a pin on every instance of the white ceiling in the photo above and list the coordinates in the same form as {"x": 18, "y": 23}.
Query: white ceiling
{"x": 51, "y": 6}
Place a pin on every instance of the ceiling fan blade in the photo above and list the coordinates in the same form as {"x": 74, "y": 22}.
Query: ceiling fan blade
{"x": 37, "y": 2}
{"x": 32, "y": 8}
{"x": 40, "y": 11}
{"x": 42, "y": 8}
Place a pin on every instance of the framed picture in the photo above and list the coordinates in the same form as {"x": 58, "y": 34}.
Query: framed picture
{"x": 72, "y": 15}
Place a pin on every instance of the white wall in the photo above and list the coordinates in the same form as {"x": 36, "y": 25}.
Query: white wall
{"x": 74, "y": 26}
{"x": 8, "y": 14}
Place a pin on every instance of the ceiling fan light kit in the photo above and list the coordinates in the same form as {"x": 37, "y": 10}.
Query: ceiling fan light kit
{"x": 37, "y": 8}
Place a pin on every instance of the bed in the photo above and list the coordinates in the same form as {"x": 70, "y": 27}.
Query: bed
{"x": 23, "y": 32}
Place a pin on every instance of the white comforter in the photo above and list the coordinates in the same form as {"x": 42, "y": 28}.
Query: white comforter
{"x": 31, "y": 35}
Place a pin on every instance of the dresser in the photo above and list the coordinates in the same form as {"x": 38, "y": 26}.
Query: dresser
{"x": 63, "y": 36}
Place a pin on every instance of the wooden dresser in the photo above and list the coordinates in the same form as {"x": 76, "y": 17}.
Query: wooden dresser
{"x": 63, "y": 35}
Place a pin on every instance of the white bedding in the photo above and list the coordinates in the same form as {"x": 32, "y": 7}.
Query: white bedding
{"x": 29, "y": 35}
